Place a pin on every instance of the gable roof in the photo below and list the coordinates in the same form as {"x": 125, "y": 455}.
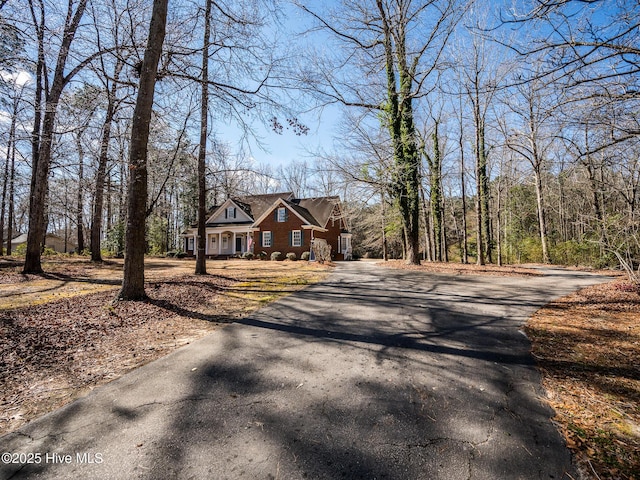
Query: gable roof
{"x": 315, "y": 212}
{"x": 214, "y": 217}
{"x": 319, "y": 208}
{"x": 257, "y": 205}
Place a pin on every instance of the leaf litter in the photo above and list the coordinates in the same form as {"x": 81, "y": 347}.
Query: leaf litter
{"x": 60, "y": 348}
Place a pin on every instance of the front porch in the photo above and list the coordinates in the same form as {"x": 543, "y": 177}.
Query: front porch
{"x": 222, "y": 243}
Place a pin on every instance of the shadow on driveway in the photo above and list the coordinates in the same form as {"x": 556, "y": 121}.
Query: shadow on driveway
{"x": 373, "y": 374}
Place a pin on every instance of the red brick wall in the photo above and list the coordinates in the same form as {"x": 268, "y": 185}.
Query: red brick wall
{"x": 280, "y": 232}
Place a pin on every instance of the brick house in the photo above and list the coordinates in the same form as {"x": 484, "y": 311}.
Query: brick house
{"x": 273, "y": 223}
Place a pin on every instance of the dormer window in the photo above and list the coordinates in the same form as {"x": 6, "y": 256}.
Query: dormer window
{"x": 282, "y": 214}
{"x": 230, "y": 213}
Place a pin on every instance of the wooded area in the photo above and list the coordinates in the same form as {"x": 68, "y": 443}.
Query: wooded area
{"x": 470, "y": 131}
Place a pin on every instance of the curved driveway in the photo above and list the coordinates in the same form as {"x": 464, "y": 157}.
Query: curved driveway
{"x": 373, "y": 374}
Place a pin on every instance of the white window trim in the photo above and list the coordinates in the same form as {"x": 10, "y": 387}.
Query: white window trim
{"x": 296, "y": 242}
{"x": 282, "y": 218}
{"x": 264, "y": 239}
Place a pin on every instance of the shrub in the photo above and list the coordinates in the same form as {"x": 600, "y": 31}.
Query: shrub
{"x": 277, "y": 256}
{"x": 305, "y": 256}
{"x": 263, "y": 255}
{"x": 248, "y": 255}
{"x": 321, "y": 250}
{"x": 292, "y": 256}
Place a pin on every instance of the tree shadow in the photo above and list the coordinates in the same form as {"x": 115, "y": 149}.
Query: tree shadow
{"x": 414, "y": 377}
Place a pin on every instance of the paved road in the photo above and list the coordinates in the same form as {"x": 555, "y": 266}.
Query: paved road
{"x": 373, "y": 374}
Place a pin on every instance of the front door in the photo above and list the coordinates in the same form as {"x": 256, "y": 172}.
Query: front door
{"x": 239, "y": 244}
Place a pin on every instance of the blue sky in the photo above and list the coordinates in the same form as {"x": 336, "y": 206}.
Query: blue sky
{"x": 281, "y": 149}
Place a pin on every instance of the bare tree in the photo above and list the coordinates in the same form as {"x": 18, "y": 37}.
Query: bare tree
{"x": 378, "y": 38}
{"x": 531, "y": 139}
{"x": 17, "y": 88}
{"x": 201, "y": 262}
{"x": 133, "y": 282}
{"x": 43, "y": 139}
{"x": 109, "y": 74}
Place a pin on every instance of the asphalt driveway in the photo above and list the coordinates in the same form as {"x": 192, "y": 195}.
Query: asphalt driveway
{"x": 373, "y": 374}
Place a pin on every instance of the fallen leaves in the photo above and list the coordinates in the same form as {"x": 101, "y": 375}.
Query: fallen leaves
{"x": 587, "y": 346}
{"x": 54, "y": 352}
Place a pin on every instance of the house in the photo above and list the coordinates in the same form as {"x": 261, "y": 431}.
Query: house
{"x": 273, "y": 223}
{"x": 52, "y": 241}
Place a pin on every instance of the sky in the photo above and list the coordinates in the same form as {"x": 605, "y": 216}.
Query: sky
{"x": 281, "y": 149}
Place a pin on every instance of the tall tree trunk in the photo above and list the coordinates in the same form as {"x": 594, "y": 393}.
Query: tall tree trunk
{"x": 465, "y": 244}
{"x": 133, "y": 282}
{"x": 42, "y": 162}
{"x": 542, "y": 221}
{"x": 444, "y": 245}
{"x": 12, "y": 177}
{"x": 201, "y": 261}
{"x": 480, "y": 258}
{"x": 385, "y": 255}
{"x": 498, "y": 221}
{"x": 485, "y": 194}
{"x": 79, "y": 197}
{"x": 428, "y": 243}
{"x": 435, "y": 166}
{"x": 402, "y": 130}
{"x": 464, "y": 258}
{"x": 101, "y": 173}
{"x": 5, "y": 181}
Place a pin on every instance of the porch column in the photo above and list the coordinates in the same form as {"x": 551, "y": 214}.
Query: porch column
{"x": 233, "y": 245}
{"x": 219, "y": 243}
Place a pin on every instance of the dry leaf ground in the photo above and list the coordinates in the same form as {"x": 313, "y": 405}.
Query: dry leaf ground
{"x": 61, "y": 335}
{"x": 588, "y": 348}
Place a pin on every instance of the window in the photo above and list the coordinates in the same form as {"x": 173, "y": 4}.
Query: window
{"x": 266, "y": 239}
{"x": 225, "y": 242}
{"x": 230, "y": 213}
{"x": 296, "y": 238}
{"x": 191, "y": 242}
{"x": 344, "y": 244}
{"x": 213, "y": 240}
{"x": 282, "y": 214}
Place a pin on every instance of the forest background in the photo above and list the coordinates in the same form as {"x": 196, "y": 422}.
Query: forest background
{"x": 522, "y": 119}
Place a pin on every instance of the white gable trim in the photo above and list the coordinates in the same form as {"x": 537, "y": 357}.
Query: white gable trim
{"x": 275, "y": 205}
{"x": 241, "y": 215}
{"x": 340, "y": 218}
{"x": 314, "y": 228}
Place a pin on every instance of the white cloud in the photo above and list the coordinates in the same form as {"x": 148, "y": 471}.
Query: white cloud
{"x": 20, "y": 79}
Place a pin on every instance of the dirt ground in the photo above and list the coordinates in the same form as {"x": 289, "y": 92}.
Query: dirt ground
{"x": 61, "y": 334}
